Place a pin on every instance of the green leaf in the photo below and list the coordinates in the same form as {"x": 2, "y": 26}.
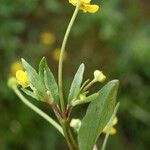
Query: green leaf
{"x": 97, "y": 116}
{"x": 29, "y": 93}
{"x": 49, "y": 79}
{"x": 42, "y": 68}
{"x": 75, "y": 86}
{"x": 34, "y": 78}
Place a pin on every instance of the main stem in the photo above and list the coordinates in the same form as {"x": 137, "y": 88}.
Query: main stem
{"x": 60, "y": 84}
{"x": 68, "y": 135}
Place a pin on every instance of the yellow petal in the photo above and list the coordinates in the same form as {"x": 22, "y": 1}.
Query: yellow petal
{"x": 82, "y": 7}
{"x": 113, "y": 131}
{"x": 15, "y": 67}
{"x": 104, "y": 130}
{"x": 91, "y": 8}
{"x": 85, "y": 1}
{"x": 22, "y": 78}
{"x": 115, "y": 121}
{"x": 73, "y": 2}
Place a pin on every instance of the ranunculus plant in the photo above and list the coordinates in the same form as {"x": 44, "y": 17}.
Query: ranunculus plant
{"x": 41, "y": 85}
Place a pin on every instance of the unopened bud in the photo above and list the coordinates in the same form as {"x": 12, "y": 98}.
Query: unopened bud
{"x": 76, "y": 124}
{"x": 12, "y": 82}
{"x": 82, "y": 96}
{"x": 99, "y": 76}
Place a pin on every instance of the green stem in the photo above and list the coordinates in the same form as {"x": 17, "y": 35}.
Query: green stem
{"x": 86, "y": 100}
{"x": 110, "y": 124}
{"x": 89, "y": 85}
{"x": 72, "y": 139}
{"x": 60, "y": 84}
{"x": 37, "y": 110}
{"x": 68, "y": 136}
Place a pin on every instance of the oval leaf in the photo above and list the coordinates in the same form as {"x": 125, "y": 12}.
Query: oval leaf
{"x": 97, "y": 116}
{"x": 75, "y": 86}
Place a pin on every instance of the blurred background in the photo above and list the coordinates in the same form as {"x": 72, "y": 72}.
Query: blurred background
{"x": 115, "y": 40}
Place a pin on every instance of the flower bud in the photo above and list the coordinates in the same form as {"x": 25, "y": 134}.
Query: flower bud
{"x": 76, "y": 124}
{"x": 12, "y": 82}
{"x": 22, "y": 78}
{"x": 99, "y": 76}
{"x": 82, "y": 96}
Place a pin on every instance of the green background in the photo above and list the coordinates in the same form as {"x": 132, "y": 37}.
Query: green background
{"x": 115, "y": 40}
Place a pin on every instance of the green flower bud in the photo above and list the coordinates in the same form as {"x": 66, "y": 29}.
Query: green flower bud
{"x": 75, "y": 124}
{"x": 12, "y": 82}
{"x": 99, "y": 76}
{"x": 82, "y": 96}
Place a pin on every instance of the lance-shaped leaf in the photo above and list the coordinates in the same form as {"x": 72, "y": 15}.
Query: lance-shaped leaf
{"x": 49, "y": 79}
{"x": 34, "y": 78}
{"x": 75, "y": 86}
{"x": 97, "y": 116}
{"x": 42, "y": 68}
{"x": 51, "y": 84}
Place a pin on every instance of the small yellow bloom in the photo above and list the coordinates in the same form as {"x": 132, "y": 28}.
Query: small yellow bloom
{"x": 22, "y": 78}
{"x": 112, "y": 130}
{"x": 99, "y": 76}
{"x": 47, "y": 38}
{"x": 17, "y": 65}
{"x": 56, "y": 54}
{"x": 85, "y": 5}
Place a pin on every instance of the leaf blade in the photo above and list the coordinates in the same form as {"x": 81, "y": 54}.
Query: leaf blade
{"x": 97, "y": 116}
{"x": 41, "y": 68}
{"x": 49, "y": 79}
{"x": 75, "y": 86}
{"x": 51, "y": 84}
{"x": 34, "y": 78}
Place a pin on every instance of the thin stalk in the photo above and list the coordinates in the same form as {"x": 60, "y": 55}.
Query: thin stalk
{"x": 86, "y": 100}
{"x": 89, "y": 85}
{"x": 72, "y": 139}
{"x": 37, "y": 110}
{"x": 110, "y": 124}
{"x": 60, "y": 84}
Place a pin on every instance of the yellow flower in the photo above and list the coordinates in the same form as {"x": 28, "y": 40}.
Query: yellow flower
{"x": 15, "y": 67}
{"x": 56, "y": 54}
{"x": 47, "y": 38}
{"x": 85, "y": 5}
{"x": 99, "y": 76}
{"x": 112, "y": 130}
{"x": 22, "y": 78}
